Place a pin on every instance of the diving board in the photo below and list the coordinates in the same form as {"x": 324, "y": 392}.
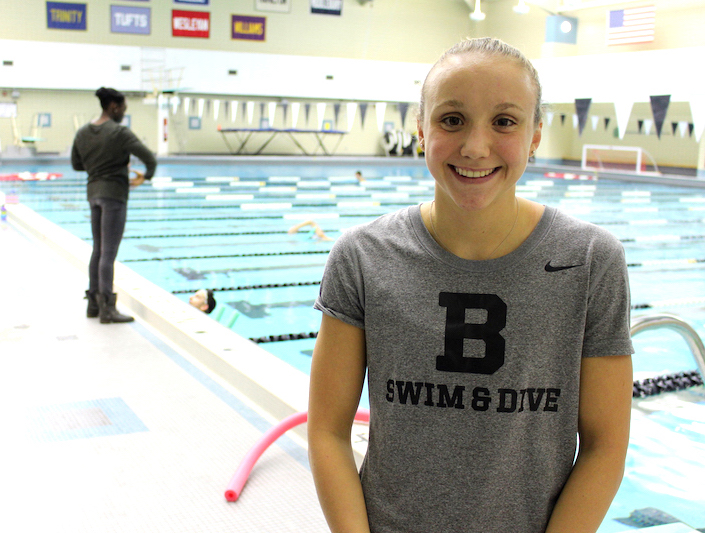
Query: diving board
{"x": 243, "y": 136}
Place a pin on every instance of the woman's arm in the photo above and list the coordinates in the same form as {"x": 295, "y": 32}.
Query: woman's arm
{"x": 337, "y": 376}
{"x": 603, "y": 426}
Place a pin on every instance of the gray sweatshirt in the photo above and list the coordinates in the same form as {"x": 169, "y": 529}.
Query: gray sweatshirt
{"x": 104, "y": 152}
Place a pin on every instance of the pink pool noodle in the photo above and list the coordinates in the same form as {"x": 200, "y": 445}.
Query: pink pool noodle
{"x": 238, "y": 480}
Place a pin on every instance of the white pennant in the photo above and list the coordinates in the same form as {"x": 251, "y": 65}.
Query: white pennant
{"x": 683, "y": 128}
{"x": 380, "y": 109}
{"x": 549, "y": 117}
{"x": 234, "y": 104}
{"x": 250, "y": 112}
{"x": 623, "y": 110}
{"x": 320, "y": 112}
{"x": 648, "y": 123}
{"x": 352, "y": 110}
{"x": 595, "y": 120}
{"x": 295, "y": 107}
{"x": 272, "y": 109}
{"x": 201, "y": 105}
{"x": 697, "y": 111}
{"x": 174, "y": 104}
{"x": 187, "y": 105}
{"x": 216, "y": 109}
{"x": 576, "y": 121}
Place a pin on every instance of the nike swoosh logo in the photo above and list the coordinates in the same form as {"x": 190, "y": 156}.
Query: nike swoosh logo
{"x": 550, "y": 268}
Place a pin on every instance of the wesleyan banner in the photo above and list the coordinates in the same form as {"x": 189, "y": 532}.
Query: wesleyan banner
{"x": 190, "y": 23}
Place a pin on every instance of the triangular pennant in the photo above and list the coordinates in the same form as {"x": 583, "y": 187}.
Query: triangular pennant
{"x": 691, "y": 127}
{"x": 187, "y": 105}
{"x": 683, "y": 127}
{"x": 261, "y": 110}
{"x": 295, "y": 110}
{"x": 594, "y": 119}
{"x": 582, "y": 106}
{"x": 674, "y": 127}
{"x": 549, "y": 117}
{"x": 272, "y": 109}
{"x": 174, "y": 104}
{"x": 250, "y": 112}
{"x": 562, "y": 119}
{"x": 640, "y": 125}
{"x": 575, "y": 121}
{"x": 403, "y": 109}
{"x": 336, "y": 114}
{"x": 216, "y": 109}
{"x": 363, "y": 112}
{"x": 659, "y": 107}
{"x": 647, "y": 126}
{"x": 380, "y": 110}
{"x": 307, "y": 112}
{"x": 320, "y": 114}
{"x": 351, "y": 108}
{"x": 697, "y": 112}
{"x": 285, "y": 108}
{"x": 623, "y": 110}
{"x": 607, "y": 122}
{"x": 201, "y": 105}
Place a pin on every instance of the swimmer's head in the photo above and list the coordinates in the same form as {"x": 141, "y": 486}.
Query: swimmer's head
{"x": 203, "y": 299}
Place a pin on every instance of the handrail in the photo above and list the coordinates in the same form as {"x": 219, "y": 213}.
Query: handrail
{"x": 679, "y": 325}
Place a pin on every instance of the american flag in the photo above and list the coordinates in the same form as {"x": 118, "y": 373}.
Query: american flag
{"x": 632, "y": 25}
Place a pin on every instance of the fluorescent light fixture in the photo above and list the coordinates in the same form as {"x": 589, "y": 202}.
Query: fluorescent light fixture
{"x": 477, "y": 14}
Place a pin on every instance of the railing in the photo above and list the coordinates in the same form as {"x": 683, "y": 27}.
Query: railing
{"x": 675, "y": 323}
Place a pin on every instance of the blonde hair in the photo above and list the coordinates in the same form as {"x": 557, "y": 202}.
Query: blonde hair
{"x": 488, "y": 46}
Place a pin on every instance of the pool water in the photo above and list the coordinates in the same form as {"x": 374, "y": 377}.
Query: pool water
{"x": 224, "y": 227}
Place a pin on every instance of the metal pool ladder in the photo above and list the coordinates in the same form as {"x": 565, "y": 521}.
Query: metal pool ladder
{"x": 675, "y": 323}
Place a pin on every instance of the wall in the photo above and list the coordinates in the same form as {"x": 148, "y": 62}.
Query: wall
{"x": 376, "y": 52}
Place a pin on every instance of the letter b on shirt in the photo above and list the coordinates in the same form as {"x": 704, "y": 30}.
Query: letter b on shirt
{"x": 457, "y": 330}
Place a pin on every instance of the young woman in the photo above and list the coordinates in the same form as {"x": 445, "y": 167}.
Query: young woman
{"x": 103, "y": 148}
{"x": 493, "y": 330}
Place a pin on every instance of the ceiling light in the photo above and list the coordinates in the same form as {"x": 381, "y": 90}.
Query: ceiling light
{"x": 477, "y": 14}
{"x": 521, "y": 8}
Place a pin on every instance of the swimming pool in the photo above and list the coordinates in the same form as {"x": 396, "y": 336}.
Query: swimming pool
{"x": 225, "y": 227}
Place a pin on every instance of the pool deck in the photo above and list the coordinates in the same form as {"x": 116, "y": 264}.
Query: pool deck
{"x": 118, "y": 428}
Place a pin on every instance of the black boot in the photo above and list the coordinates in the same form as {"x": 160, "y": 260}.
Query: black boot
{"x": 92, "y": 310}
{"x": 108, "y": 313}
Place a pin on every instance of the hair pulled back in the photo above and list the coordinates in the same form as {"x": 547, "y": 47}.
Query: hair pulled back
{"x": 488, "y": 46}
{"x": 107, "y": 95}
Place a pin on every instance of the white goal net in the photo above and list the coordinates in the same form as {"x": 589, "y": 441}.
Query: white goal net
{"x": 618, "y": 158}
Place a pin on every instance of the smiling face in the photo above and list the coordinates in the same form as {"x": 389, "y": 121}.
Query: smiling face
{"x": 478, "y": 128}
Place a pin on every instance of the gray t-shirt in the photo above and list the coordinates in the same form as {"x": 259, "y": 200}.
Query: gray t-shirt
{"x": 474, "y": 366}
{"x": 103, "y": 150}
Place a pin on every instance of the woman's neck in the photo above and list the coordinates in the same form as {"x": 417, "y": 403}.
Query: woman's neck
{"x": 482, "y": 235}
{"x": 104, "y": 117}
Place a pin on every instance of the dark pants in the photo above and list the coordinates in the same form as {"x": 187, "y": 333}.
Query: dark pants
{"x": 108, "y": 224}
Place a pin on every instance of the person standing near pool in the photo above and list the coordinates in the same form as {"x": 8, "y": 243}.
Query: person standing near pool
{"x": 103, "y": 148}
{"x": 493, "y": 329}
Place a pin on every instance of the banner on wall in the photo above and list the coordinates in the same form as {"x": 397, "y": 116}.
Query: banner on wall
{"x": 327, "y": 7}
{"x": 63, "y": 16}
{"x": 659, "y": 108}
{"x": 278, "y": 6}
{"x": 248, "y": 28}
{"x": 582, "y": 106}
{"x": 190, "y": 23}
{"x": 129, "y": 19}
